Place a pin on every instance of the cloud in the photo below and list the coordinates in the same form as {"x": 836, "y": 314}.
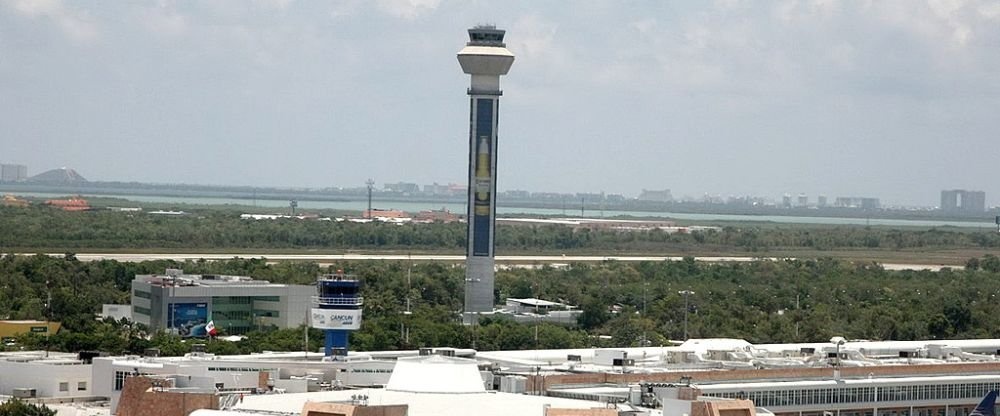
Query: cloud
{"x": 273, "y": 4}
{"x": 534, "y": 36}
{"x": 78, "y": 26}
{"x": 990, "y": 11}
{"x": 408, "y": 9}
{"x": 164, "y": 21}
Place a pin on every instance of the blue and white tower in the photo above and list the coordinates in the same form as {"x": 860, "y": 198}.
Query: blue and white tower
{"x": 485, "y": 58}
{"x": 337, "y": 310}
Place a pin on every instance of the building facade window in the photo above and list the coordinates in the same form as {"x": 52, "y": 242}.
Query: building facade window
{"x": 121, "y": 376}
{"x": 63, "y": 386}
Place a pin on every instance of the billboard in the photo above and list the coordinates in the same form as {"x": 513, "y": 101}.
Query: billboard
{"x": 335, "y": 318}
{"x": 482, "y": 186}
{"x": 188, "y": 319}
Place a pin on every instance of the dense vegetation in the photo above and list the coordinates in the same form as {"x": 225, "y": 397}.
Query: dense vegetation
{"x": 15, "y": 407}
{"x": 42, "y": 228}
{"x": 763, "y": 301}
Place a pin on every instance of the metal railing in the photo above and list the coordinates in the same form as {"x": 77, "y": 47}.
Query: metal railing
{"x": 339, "y": 301}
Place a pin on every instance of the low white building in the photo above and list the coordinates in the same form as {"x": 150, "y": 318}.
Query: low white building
{"x": 44, "y": 374}
{"x": 529, "y": 310}
{"x": 116, "y": 312}
{"x": 289, "y": 372}
{"x": 427, "y": 385}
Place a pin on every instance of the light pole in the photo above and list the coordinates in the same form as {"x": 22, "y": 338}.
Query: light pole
{"x": 645, "y": 284}
{"x": 686, "y": 293}
{"x": 838, "y": 341}
{"x": 371, "y": 184}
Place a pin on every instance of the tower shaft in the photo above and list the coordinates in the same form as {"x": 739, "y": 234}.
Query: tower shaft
{"x": 479, "y": 263}
{"x": 485, "y": 58}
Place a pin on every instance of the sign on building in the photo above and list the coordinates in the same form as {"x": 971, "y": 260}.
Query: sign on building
{"x": 335, "y": 318}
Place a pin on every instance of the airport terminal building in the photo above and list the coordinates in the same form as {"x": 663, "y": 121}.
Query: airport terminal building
{"x": 185, "y": 303}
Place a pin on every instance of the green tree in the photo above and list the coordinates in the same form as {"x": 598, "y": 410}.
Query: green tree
{"x": 594, "y": 314}
{"x": 15, "y": 407}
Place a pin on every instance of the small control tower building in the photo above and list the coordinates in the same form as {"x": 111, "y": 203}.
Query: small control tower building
{"x": 485, "y": 57}
{"x": 337, "y": 310}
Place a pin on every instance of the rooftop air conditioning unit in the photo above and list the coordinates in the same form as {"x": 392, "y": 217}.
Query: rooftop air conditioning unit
{"x": 24, "y": 393}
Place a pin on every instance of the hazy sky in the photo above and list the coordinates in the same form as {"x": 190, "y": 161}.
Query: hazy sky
{"x": 896, "y": 98}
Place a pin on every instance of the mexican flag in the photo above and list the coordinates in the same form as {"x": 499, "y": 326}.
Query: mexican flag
{"x": 210, "y": 328}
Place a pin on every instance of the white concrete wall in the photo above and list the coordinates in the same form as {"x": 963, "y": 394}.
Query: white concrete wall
{"x": 116, "y": 311}
{"x": 45, "y": 378}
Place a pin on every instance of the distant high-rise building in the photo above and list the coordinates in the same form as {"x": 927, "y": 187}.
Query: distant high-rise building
{"x": 786, "y": 201}
{"x": 802, "y": 201}
{"x": 402, "y": 187}
{"x": 821, "y": 201}
{"x": 960, "y": 200}
{"x": 974, "y": 201}
{"x": 656, "y": 195}
{"x": 13, "y": 173}
{"x": 438, "y": 189}
{"x": 857, "y": 202}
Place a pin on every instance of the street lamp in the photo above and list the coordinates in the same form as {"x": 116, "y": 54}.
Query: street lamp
{"x": 687, "y": 309}
{"x": 838, "y": 341}
{"x": 645, "y": 285}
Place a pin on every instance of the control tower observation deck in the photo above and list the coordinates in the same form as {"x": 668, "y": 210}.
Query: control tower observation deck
{"x": 485, "y": 57}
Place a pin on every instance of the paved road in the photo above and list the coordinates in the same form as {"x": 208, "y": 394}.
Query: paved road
{"x": 325, "y": 258}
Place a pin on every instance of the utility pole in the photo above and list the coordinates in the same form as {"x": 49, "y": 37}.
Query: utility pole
{"x": 371, "y": 185}
{"x": 687, "y": 309}
{"x": 48, "y": 314}
{"x": 404, "y": 332}
{"x": 645, "y": 284}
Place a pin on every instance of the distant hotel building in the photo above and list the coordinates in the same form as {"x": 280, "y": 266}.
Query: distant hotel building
{"x": 13, "y": 173}
{"x": 402, "y": 187}
{"x": 656, "y": 195}
{"x": 960, "y": 200}
{"x": 183, "y": 303}
{"x": 856, "y": 202}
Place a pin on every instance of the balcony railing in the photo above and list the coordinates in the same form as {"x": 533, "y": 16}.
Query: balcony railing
{"x": 339, "y": 301}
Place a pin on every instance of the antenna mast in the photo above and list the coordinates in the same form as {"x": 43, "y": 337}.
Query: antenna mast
{"x": 371, "y": 184}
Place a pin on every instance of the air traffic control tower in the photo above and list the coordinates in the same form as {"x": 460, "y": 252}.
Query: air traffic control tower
{"x": 485, "y": 58}
{"x": 337, "y": 311}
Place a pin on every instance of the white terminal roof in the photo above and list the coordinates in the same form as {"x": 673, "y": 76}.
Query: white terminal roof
{"x": 431, "y": 385}
{"x": 847, "y": 382}
{"x": 534, "y": 302}
{"x": 420, "y": 404}
{"x": 436, "y": 374}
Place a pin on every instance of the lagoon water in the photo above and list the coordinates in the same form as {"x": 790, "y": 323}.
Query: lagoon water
{"x": 460, "y": 208}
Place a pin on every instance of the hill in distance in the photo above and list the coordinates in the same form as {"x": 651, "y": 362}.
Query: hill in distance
{"x": 58, "y": 176}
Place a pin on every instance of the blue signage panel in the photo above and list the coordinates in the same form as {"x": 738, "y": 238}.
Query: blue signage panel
{"x": 188, "y": 319}
{"x": 483, "y": 178}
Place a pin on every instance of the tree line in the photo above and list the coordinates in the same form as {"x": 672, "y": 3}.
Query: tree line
{"x": 39, "y": 228}
{"x": 622, "y": 303}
